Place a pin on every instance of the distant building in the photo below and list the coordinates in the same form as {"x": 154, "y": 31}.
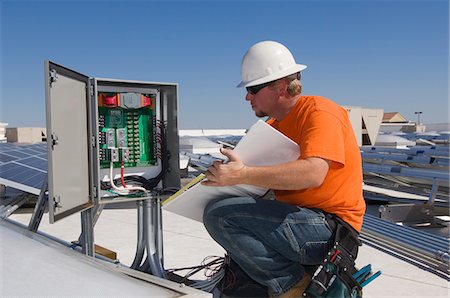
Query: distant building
{"x": 394, "y": 117}
{"x": 366, "y": 124}
{"x": 394, "y": 121}
{"x": 3, "y": 132}
{"x": 25, "y": 134}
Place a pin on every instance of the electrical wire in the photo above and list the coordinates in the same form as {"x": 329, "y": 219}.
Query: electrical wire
{"x": 146, "y": 184}
{"x": 121, "y": 190}
{"x": 122, "y": 174}
{"x": 131, "y": 195}
{"x": 214, "y": 271}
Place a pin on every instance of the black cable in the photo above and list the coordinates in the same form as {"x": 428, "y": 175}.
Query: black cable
{"x": 195, "y": 269}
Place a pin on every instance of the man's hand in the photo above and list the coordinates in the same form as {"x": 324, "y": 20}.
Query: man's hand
{"x": 225, "y": 174}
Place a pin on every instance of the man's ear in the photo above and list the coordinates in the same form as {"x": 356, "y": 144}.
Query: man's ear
{"x": 281, "y": 86}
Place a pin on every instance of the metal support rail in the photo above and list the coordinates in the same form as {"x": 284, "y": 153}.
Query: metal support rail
{"x": 425, "y": 250}
{"x": 406, "y": 172}
{"x": 406, "y": 158}
{"x": 26, "y": 231}
{"x": 415, "y": 151}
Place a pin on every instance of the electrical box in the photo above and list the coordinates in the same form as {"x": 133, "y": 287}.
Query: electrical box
{"x": 108, "y": 139}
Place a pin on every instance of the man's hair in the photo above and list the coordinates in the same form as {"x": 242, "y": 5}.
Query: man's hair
{"x": 294, "y": 86}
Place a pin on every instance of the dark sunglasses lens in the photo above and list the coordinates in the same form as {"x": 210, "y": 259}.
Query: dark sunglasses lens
{"x": 255, "y": 89}
{"x": 251, "y": 90}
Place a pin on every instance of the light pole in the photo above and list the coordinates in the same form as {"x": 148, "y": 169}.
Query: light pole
{"x": 418, "y": 117}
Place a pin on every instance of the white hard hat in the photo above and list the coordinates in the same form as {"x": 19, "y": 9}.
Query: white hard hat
{"x": 267, "y": 61}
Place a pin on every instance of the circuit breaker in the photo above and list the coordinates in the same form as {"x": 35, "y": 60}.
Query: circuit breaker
{"x": 108, "y": 139}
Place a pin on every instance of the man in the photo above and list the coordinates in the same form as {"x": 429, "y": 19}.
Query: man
{"x": 273, "y": 240}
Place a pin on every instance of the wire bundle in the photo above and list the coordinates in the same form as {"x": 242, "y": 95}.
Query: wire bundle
{"x": 214, "y": 271}
{"x": 145, "y": 184}
{"x": 125, "y": 189}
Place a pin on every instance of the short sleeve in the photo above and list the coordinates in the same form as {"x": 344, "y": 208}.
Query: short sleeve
{"x": 323, "y": 137}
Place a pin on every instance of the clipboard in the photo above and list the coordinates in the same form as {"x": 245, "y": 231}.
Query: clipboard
{"x": 263, "y": 145}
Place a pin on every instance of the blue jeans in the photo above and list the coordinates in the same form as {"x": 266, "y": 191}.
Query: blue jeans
{"x": 270, "y": 241}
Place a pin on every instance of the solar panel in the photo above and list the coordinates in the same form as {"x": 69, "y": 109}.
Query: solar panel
{"x": 30, "y": 151}
{"x": 21, "y": 173}
{"x": 35, "y": 162}
{"x": 16, "y": 153}
{"x": 5, "y": 146}
{"x": 6, "y": 157}
{"x": 23, "y": 167}
{"x": 41, "y": 147}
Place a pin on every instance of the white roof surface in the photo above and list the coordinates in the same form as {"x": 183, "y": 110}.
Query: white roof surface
{"x": 186, "y": 243}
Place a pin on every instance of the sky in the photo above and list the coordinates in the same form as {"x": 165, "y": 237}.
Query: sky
{"x": 390, "y": 55}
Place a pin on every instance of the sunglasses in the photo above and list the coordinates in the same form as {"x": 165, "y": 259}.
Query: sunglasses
{"x": 255, "y": 89}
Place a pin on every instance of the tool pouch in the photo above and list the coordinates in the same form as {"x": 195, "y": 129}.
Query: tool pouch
{"x": 335, "y": 276}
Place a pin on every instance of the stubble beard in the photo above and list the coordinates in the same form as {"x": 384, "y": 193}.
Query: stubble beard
{"x": 260, "y": 114}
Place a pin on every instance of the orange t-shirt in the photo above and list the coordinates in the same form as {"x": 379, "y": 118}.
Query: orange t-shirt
{"x": 322, "y": 129}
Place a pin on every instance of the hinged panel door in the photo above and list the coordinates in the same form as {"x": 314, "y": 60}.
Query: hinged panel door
{"x": 67, "y": 97}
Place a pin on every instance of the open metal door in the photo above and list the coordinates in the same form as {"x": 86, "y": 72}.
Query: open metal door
{"x": 67, "y": 108}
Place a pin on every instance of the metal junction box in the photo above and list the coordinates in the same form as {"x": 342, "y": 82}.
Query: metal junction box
{"x": 107, "y": 139}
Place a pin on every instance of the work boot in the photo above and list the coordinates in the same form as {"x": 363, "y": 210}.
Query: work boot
{"x": 236, "y": 283}
{"x": 297, "y": 290}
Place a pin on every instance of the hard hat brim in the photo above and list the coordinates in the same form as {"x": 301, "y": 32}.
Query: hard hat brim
{"x": 274, "y": 76}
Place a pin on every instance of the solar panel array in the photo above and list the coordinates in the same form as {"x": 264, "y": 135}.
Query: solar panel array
{"x": 23, "y": 166}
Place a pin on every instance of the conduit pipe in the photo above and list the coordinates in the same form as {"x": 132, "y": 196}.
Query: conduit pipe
{"x": 422, "y": 247}
{"x": 140, "y": 246}
{"x": 7, "y": 210}
{"x": 151, "y": 245}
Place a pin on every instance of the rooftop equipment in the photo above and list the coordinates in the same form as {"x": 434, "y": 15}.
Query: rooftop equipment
{"x": 109, "y": 141}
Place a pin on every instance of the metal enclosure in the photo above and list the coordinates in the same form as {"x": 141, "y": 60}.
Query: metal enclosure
{"x": 75, "y": 174}
{"x": 67, "y": 110}
{"x": 166, "y": 113}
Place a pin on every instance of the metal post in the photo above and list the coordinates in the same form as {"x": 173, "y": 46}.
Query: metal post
{"x": 39, "y": 209}
{"x": 433, "y": 192}
{"x": 96, "y": 211}
{"x": 87, "y": 232}
{"x": 157, "y": 219}
{"x": 418, "y": 117}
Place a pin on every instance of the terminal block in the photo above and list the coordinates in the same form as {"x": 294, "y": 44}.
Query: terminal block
{"x": 121, "y": 137}
{"x": 125, "y": 154}
{"x": 127, "y": 121}
{"x": 110, "y": 138}
{"x": 114, "y": 154}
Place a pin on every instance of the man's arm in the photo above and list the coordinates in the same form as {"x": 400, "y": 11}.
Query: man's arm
{"x": 295, "y": 175}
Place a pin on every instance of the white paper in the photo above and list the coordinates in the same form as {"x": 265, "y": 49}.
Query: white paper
{"x": 261, "y": 146}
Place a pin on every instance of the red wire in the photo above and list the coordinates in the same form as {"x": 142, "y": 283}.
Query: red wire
{"x": 122, "y": 173}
